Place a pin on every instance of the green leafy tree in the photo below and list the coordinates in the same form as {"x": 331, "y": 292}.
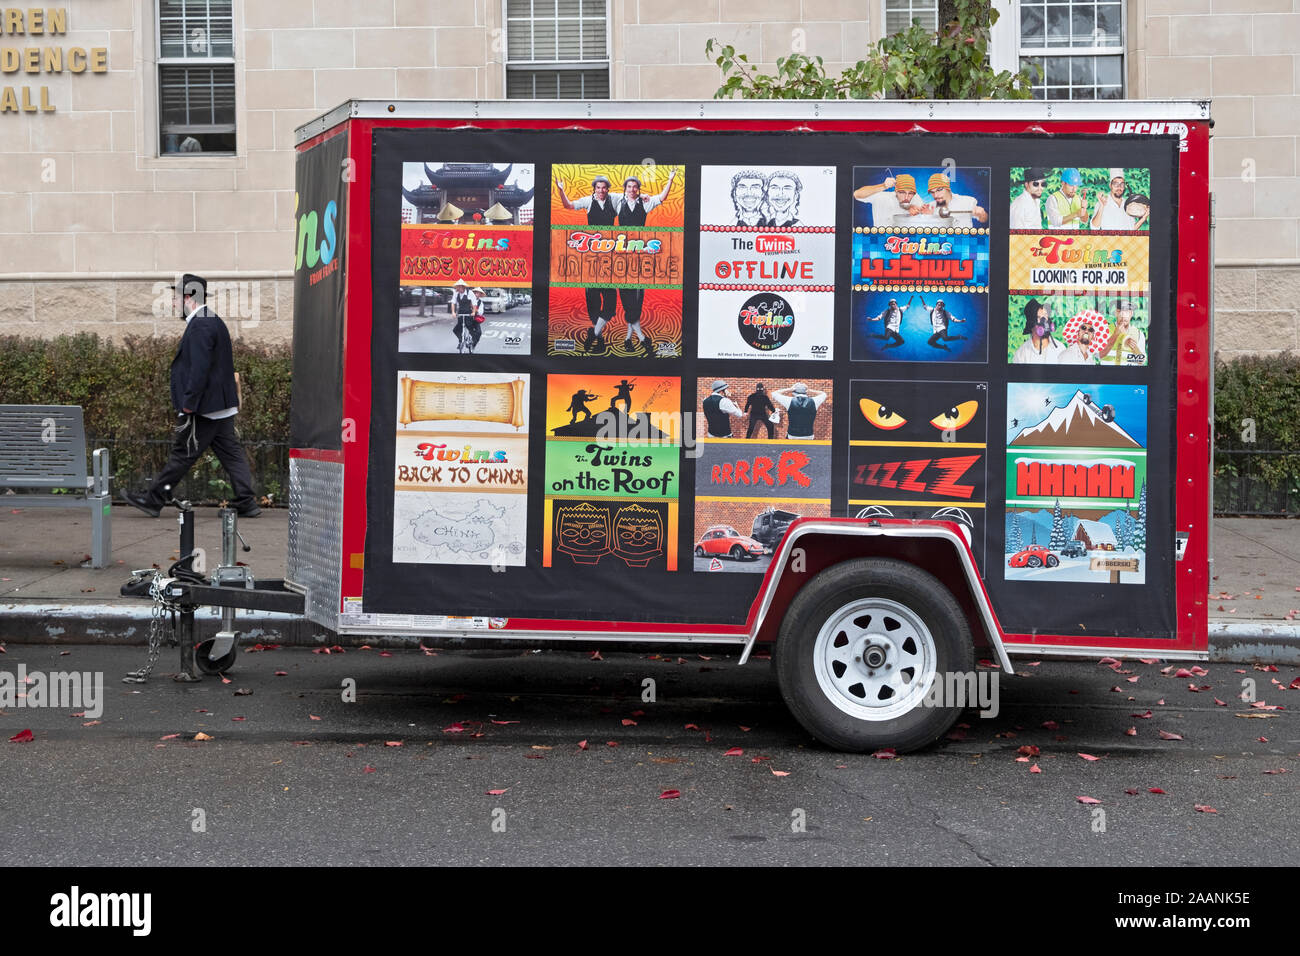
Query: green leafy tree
{"x": 950, "y": 63}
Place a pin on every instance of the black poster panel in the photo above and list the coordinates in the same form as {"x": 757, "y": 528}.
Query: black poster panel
{"x": 316, "y": 409}
{"x": 628, "y": 549}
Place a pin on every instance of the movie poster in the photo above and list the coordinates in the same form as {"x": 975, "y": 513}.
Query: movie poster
{"x": 616, "y": 260}
{"x": 918, "y": 449}
{"x": 1096, "y": 199}
{"x": 1078, "y": 328}
{"x": 466, "y": 271}
{"x": 460, "y": 477}
{"x": 920, "y": 264}
{"x": 1076, "y": 483}
{"x": 767, "y": 262}
{"x": 613, "y": 471}
{"x": 763, "y": 461}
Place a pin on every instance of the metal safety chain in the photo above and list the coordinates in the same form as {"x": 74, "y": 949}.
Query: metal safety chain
{"x": 161, "y": 604}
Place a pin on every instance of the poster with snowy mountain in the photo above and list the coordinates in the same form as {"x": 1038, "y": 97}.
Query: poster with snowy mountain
{"x": 1076, "y": 483}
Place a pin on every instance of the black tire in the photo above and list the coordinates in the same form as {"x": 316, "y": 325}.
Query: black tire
{"x": 828, "y": 593}
{"x": 737, "y": 553}
{"x": 220, "y": 665}
{"x": 1053, "y": 561}
{"x": 699, "y": 552}
{"x": 1033, "y": 561}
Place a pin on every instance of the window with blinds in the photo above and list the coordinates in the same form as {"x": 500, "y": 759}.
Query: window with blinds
{"x": 196, "y": 76}
{"x": 557, "y": 49}
{"x": 899, "y": 14}
{"x": 1077, "y": 47}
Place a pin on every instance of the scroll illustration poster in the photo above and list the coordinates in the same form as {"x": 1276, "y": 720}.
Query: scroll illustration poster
{"x": 613, "y": 470}
{"x": 460, "y": 481}
{"x": 1076, "y": 483}
{"x": 920, "y": 264}
{"x": 764, "y": 461}
{"x": 767, "y": 262}
{"x": 616, "y": 260}
{"x": 466, "y": 268}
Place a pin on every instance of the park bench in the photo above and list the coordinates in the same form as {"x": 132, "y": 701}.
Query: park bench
{"x": 44, "y": 446}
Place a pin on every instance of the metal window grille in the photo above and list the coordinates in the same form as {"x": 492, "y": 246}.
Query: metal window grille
{"x": 557, "y": 49}
{"x": 1077, "y": 47}
{"x": 196, "y": 76}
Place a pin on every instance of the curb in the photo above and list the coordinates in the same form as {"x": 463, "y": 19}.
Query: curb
{"x": 1258, "y": 641}
{"x": 129, "y": 625}
{"x": 1234, "y": 641}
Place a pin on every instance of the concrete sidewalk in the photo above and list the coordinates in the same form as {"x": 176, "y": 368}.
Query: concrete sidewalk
{"x": 45, "y": 593}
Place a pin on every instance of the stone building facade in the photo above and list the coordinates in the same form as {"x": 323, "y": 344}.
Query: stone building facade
{"x": 108, "y": 191}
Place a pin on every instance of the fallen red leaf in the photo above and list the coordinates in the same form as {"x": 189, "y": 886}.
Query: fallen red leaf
{"x": 748, "y": 729}
{"x": 1089, "y": 757}
{"x": 392, "y": 743}
{"x": 690, "y": 727}
{"x": 582, "y": 745}
{"x": 456, "y": 728}
{"x": 595, "y": 656}
{"x": 1146, "y": 716}
{"x": 503, "y": 722}
{"x": 1279, "y": 770}
{"x": 281, "y": 673}
{"x": 1149, "y": 660}
{"x": 1262, "y": 740}
{"x": 780, "y": 773}
{"x": 238, "y": 718}
{"x": 1028, "y": 750}
{"x": 670, "y": 795}
{"x": 1132, "y": 732}
{"x": 761, "y": 759}
{"x": 1087, "y": 800}
{"x": 1219, "y": 703}
{"x": 1166, "y": 735}
{"x": 22, "y": 737}
{"x": 1051, "y": 725}
{"x": 1202, "y": 808}
{"x": 367, "y": 769}
{"x": 1022, "y": 760}
{"x": 1131, "y": 792}
{"x": 169, "y": 737}
{"x": 313, "y": 717}
{"x": 885, "y": 753}
{"x": 629, "y": 722}
{"x": 496, "y": 793}
{"x": 734, "y": 752}
{"x": 1183, "y": 672}
{"x": 1035, "y": 769}
{"x": 611, "y": 743}
{"x": 1154, "y": 790}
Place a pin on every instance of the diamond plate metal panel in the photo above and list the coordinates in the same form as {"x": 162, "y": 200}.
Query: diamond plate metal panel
{"x": 316, "y": 536}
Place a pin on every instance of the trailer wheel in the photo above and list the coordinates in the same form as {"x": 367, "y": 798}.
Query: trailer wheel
{"x": 220, "y": 665}
{"x": 858, "y": 652}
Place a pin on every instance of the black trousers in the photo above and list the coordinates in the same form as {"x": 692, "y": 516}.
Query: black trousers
{"x": 219, "y": 434}
{"x": 601, "y": 303}
{"x": 633, "y": 300}
{"x": 756, "y": 423}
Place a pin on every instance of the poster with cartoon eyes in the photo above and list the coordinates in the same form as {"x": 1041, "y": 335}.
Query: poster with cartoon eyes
{"x": 918, "y": 450}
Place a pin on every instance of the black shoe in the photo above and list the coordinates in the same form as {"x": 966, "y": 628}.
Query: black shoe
{"x": 143, "y": 502}
{"x": 649, "y": 348}
{"x": 251, "y": 512}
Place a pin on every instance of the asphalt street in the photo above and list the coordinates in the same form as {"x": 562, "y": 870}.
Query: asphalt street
{"x": 294, "y": 774}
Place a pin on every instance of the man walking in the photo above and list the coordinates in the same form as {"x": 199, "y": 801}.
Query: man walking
{"x": 204, "y": 395}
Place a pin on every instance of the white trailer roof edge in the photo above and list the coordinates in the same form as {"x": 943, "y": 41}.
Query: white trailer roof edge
{"x": 884, "y": 110}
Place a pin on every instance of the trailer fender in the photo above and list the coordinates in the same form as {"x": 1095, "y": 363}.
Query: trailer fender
{"x": 812, "y": 545}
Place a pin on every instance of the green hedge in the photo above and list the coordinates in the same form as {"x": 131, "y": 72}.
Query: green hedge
{"x": 125, "y": 392}
{"x": 1257, "y": 435}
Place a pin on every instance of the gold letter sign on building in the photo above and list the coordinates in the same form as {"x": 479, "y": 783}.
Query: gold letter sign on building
{"x": 17, "y": 23}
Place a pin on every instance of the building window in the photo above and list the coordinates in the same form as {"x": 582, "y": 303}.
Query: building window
{"x": 557, "y": 49}
{"x": 196, "y": 76}
{"x": 1077, "y": 47}
{"x": 899, "y": 15}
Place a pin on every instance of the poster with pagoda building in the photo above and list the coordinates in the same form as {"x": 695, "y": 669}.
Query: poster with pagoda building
{"x": 466, "y": 271}
{"x": 1076, "y": 483}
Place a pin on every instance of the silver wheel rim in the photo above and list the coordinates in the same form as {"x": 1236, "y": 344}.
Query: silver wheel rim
{"x": 875, "y": 659}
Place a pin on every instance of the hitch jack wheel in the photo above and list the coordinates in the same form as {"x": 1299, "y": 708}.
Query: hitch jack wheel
{"x": 865, "y": 652}
{"x": 220, "y": 665}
